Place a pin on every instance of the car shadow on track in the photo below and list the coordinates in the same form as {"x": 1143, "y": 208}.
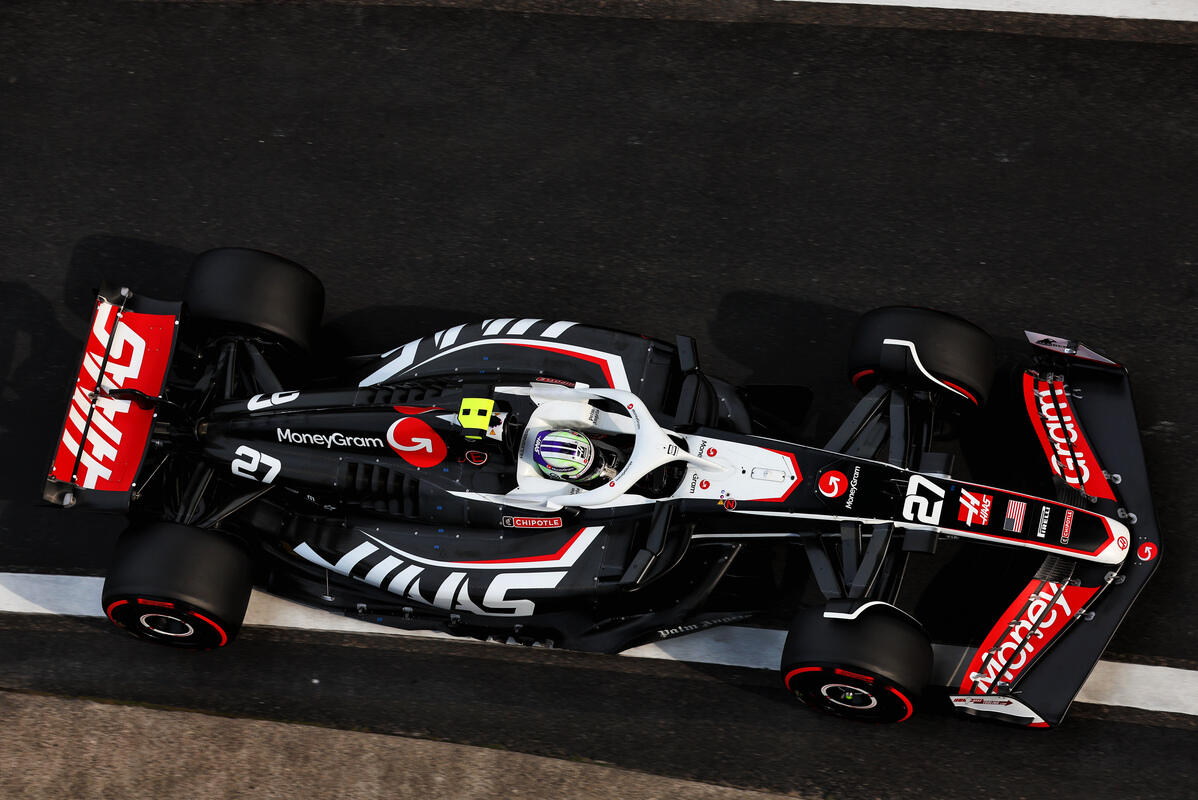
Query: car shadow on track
{"x": 40, "y": 349}
{"x": 38, "y": 358}
{"x": 788, "y": 341}
{"x": 148, "y": 268}
{"x": 380, "y": 328}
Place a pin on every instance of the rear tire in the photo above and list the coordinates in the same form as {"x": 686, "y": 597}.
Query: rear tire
{"x": 870, "y": 669}
{"x": 177, "y": 585}
{"x": 233, "y": 286}
{"x": 956, "y": 352}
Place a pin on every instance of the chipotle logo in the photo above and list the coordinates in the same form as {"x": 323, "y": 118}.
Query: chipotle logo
{"x": 532, "y": 522}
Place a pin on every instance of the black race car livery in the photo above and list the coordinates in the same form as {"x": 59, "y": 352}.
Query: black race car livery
{"x": 972, "y": 534}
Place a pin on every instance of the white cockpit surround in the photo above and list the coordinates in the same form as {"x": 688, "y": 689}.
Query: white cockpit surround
{"x": 570, "y": 407}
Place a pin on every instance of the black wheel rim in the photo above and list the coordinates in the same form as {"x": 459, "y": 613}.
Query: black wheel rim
{"x": 846, "y": 696}
{"x": 166, "y": 625}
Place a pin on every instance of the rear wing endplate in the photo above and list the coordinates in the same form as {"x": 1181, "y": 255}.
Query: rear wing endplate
{"x": 103, "y": 437}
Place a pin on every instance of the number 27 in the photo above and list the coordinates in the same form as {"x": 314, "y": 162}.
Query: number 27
{"x": 918, "y": 508}
{"x": 249, "y": 462}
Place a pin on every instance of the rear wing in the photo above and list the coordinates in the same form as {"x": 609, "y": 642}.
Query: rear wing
{"x": 103, "y": 439}
{"x": 1040, "y": 651}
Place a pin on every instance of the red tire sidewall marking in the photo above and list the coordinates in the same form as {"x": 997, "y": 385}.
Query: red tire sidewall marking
{"x": 798, "y": 671}
{"x": 862, "y": 374}
{"x": 132, "y": 610}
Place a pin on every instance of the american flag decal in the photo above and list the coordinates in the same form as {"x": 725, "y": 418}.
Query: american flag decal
{"x": 1013, "y": 521}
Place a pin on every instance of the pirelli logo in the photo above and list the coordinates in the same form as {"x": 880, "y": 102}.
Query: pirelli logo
{"x": 532, "y": 522}
{"x": 1042, "y": 528}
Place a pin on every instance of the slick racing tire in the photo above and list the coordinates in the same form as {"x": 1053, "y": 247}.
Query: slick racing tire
{"x": 870, "y": 669}
{"x": 232, "y": 286}
{"x": 944, "y": 352}
{"x": 178, "y": 585}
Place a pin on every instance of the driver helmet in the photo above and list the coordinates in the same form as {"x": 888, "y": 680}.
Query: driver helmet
{"x": 563, "y": 453}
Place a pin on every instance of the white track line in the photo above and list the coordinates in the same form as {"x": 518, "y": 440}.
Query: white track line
{"x": 1170, "y": 10}
{"x": 1111, "y": 683}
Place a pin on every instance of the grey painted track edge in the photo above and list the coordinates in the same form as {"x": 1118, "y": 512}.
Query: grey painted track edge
{"x": 92, "y": 749}
{"x": 802, "y": 13}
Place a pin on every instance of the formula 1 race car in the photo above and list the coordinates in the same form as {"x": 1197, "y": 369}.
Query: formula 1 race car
{"x": 549, "y": 482}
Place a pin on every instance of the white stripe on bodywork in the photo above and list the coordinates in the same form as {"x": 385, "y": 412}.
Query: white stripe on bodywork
{"x": 401, "y": 362}
{"x": 997, "y": 539}
{"x": 541, "y": 502}
{"x": 614, "y": 362}
{"x": 915, "y": 355}
{"x": 344, "y": 564}
{"x": 407, "y": 576}
{"x": 557, "y": 329}
{"x": 451, "y": 335}
{"x": 584, "y": 540}
{"x": 997, "y": 704}
{"x": 496, "y": 327}
{"x": 446, "y": 339}
{"x": 380, "y": 570}
{"x": 522, "y": 326}
{"x": 747, "y": 536}
{"x": 858, "y": 611}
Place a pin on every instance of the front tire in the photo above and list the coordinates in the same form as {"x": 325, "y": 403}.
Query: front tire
{"x": 944, "y": 352}
{"x": 178, "y": 586}
{"x": 870, "y": 669}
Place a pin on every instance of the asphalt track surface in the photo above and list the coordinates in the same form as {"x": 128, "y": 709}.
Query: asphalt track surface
{"x": 756, "y": 186}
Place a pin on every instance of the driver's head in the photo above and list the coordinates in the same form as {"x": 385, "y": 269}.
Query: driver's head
{"x": 563, "y": 454}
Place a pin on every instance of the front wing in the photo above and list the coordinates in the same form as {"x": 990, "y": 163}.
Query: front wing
{"x": 1040, "y": 651}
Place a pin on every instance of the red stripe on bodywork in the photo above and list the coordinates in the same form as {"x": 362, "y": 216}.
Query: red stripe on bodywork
{"x": 416, "y": 409}
{"x": 601, "y": 362}
{"x": 794, "y": 462}
{"x": 533, "y": 559}
{"x": 963, "y": 391}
